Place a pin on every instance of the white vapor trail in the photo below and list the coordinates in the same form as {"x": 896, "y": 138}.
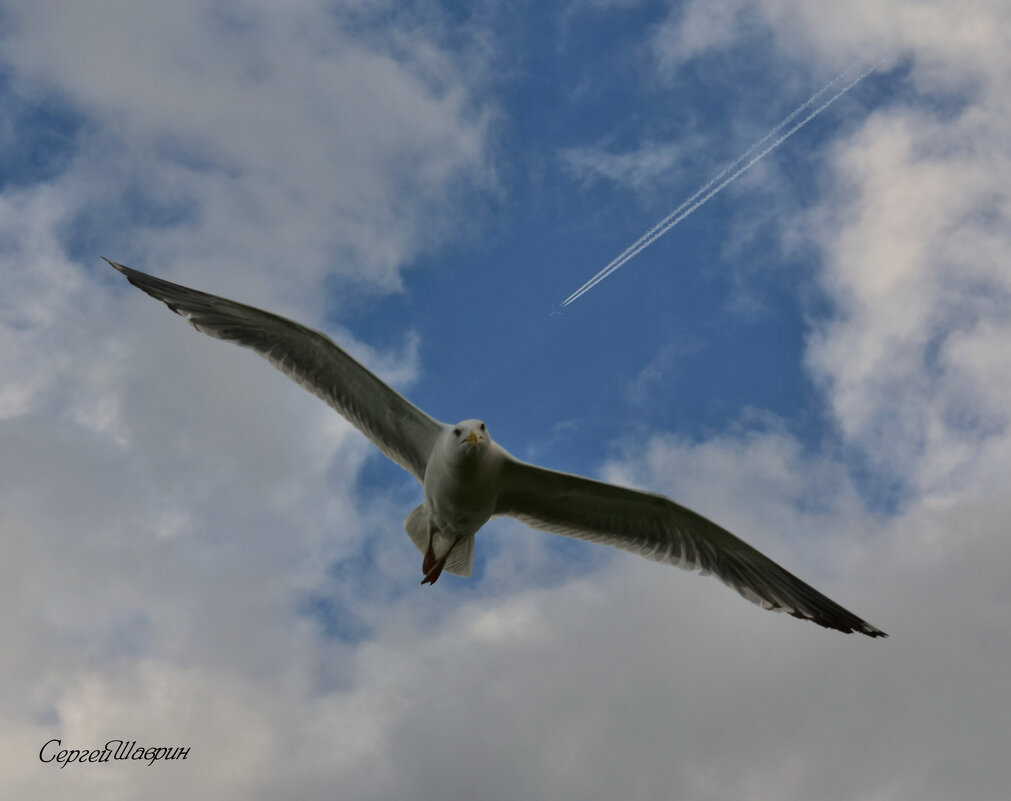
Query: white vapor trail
{"x": 718, "y": 183}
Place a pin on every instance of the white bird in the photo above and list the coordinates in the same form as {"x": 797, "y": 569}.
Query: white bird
{"x": 468, "y": 478}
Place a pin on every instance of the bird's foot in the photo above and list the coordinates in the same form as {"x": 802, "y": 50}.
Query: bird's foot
{"x": 431, "y": 566}
{"x": 429, "y": 561}
{"x": 433, "y": 573}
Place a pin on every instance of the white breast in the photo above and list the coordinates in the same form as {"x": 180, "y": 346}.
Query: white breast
{"x": 461, "y": 486}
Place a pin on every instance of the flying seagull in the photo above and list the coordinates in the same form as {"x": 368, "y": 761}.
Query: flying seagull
{"x": 468, "y": 478}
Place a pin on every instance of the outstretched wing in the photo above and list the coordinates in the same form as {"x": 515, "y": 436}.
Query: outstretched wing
{"x": 657, "y": 528}
{"x": 399, "y": 428}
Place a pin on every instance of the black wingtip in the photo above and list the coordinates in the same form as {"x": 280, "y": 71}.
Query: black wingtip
{"x": 121, "y": 267}
{"x": 854, "y": 626}
{"x": 860, "y": 627}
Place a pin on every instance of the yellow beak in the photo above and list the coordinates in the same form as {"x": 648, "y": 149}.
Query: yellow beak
{"x": 472, "y": 438}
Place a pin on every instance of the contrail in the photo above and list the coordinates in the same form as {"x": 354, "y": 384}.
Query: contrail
{"x": 621, "y": 258}
{"x": 704, "y": 194}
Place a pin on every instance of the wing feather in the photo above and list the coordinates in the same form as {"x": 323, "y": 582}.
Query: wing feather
{"x": 657, "y": 528}
{"x": 399, "y": 428}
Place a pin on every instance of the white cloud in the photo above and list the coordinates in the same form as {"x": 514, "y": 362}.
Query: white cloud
{"x": 695, "y": 29}
{"x": 630, "y": 682}
{"x": 912, "y": 229}
{"x": 912, "y": 261}
{"x": 653, "y": 379}
{"x": 327, "y": 152}
{"x": 637, "y": 170}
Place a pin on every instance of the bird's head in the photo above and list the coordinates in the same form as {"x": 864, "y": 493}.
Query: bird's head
{"x": 470, "y": 437}
{"x": 464, "y": 454}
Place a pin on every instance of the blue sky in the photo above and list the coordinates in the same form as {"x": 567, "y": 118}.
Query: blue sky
{"x": 732, "y": 322}
{"x": 202, "y": 554}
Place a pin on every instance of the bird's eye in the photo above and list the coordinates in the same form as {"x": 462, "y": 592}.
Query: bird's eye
{"x": 482, "y": 426}
{"x": 456, "y": 432}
